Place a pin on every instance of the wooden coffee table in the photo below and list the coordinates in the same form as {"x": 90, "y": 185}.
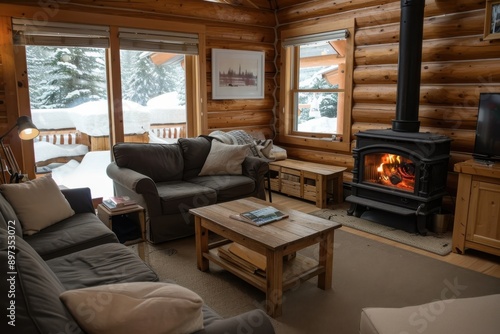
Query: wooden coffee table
{"x": 276, "y": 241}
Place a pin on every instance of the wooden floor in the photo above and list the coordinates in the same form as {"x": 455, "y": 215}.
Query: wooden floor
{"x": 474, "y": 260}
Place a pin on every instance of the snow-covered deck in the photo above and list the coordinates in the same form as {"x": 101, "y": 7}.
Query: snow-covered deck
{"x": 63, "y": 146}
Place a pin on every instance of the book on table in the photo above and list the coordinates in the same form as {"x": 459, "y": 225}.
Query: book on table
{"x": 261, "y": 217}
{"x": 244, "y": 258}
{"x": 118, "y": 202}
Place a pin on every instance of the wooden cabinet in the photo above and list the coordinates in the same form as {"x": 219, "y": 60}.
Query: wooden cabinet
{"x": 477, "y": 213}
{"x": 310, "y": 181}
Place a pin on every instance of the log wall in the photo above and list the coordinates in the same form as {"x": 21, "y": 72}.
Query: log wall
{"x": 457, "y": 65}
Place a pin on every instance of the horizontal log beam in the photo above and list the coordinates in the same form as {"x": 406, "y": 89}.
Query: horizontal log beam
{"x": 456, "y": 95}
{"x": 239, "y": 118}
{"x": 454, "y": 117}
{"x": 458, "y": 72}
{"x": 450, "y": 49}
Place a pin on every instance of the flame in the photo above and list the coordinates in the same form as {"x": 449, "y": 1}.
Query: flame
{"x": 395, "y": 171}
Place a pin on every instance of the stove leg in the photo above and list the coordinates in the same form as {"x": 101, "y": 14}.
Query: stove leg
{"x": 352, "y": 209}
{"x": 422, "y": 224}
{"x": 356, "y": 210}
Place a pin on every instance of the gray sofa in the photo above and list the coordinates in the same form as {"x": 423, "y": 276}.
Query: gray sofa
{"x": 164, "y": 179}
{"x": 77, "y": 252}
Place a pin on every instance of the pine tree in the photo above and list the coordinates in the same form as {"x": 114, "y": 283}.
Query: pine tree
{"x": 68, "y": 76}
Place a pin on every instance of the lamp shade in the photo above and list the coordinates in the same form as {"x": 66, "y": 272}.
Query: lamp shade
{"x": 26, "y": 129}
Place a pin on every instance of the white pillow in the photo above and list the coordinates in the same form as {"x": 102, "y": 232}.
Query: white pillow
{"x": 224, "y": 159}
{"x": 139, "y": 307}
{"x": 38, "y": 203}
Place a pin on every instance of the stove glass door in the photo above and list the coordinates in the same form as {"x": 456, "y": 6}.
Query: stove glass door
{"x": 389, "y": 170}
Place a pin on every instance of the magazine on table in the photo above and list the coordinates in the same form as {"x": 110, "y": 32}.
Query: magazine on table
{"x": 261, "y": 217}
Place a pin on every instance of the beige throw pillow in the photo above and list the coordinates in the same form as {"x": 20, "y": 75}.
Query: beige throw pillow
{"x": 224, "y": 159}
{"x": 38, "y": 203}
{"x": 140, "y": 307}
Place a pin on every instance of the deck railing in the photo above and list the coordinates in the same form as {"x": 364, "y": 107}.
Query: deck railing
{"x": 169, "y": 131}
{"x": 73, "y": 136}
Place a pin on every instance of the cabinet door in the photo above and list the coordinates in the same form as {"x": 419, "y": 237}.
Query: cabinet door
{"x": 484, "y": 214}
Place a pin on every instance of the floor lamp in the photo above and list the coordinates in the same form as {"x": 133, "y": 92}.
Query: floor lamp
{"x": 26, "y": 131}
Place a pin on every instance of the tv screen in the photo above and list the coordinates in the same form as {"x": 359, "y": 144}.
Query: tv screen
{"x": 487, "y": 144}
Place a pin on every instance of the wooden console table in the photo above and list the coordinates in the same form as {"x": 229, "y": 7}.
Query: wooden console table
{"x": 307, "y": 180}
{"x": 477, "y": 212}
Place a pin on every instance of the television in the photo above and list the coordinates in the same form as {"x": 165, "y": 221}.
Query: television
{"x": 487, "y": 143}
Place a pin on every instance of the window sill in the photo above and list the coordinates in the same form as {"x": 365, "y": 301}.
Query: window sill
{"x": 322, "y": 143}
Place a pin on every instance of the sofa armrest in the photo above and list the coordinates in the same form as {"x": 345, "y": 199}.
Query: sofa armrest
{"x": 80, "y": 199}
{"x": 130, "y": 179}
{"x": 255, "y": 321}
{"x": 256, "y": 168}
{"x": 140, "y": 187}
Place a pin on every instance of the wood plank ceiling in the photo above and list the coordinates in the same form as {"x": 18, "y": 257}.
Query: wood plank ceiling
{"x": 260, "y": 4}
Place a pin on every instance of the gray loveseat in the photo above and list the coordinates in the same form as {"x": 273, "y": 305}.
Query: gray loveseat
{"x": 164, "y": 179}
{"x": 74, "y": 253}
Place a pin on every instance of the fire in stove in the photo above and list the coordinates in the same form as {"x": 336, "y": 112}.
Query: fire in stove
{"x": 390, "y": 170}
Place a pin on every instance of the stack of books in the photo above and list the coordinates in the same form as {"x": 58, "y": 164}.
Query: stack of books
{"x": 119, "y": 203}
{"x": 244, "y": 258}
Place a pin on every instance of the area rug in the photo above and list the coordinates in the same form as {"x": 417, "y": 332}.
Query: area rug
{"x": 365, "y": 273}
{"x": 431, "y": 242}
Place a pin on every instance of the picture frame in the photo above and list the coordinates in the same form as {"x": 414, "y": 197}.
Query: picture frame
{"x": 237, "y": 74}
{"x": 492, "y": 20}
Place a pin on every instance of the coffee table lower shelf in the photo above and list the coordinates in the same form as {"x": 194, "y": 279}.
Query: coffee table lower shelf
{"x": 299, "y": 269}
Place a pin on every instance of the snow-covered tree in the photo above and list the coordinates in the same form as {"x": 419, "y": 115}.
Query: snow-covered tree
{"x": 142, "y": 79}
{"x": 65, "y": 77}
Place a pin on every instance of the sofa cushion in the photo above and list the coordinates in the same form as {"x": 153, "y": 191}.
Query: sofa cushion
{"x": 195, "y": 152}
{"x": 137, "y": 307}
{"x": 181, "y": 196}
{"x": 103, "y": 264}
{"x": 37, "y": 307}
{"x": 224, "y": 159}
{"x": 73, "y": 234}
{"x": 160, "y": 162}
{"x": 38, "y": 203}
{"x": 227, "y": 187}
{"x": 9, "y": 217}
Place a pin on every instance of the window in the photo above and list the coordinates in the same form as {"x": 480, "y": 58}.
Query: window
{"x": 317, "y": 85}
{"x": 71, "y": 69}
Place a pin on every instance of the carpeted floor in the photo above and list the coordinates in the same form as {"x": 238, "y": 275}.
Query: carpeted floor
{"x": 433, "y": 242}
{"x": 365, "y": 273}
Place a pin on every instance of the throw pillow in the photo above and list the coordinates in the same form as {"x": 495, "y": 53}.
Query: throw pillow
{"x": 149, "y": 307}
{"x": 38, "y": 203}
{"x": 224, "y": 159}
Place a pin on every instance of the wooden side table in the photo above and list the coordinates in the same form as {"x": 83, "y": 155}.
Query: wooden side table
{"x": 307, "y": 180}
{"x": 136, "y": 212}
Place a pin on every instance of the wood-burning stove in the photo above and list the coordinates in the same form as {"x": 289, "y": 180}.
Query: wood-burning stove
{"x": 402, "y": 170}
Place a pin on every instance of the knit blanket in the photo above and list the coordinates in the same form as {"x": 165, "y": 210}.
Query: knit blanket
{"x": 262, "y": 148}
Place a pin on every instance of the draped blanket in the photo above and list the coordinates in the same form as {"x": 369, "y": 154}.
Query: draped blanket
{"x": 262, "y": 148}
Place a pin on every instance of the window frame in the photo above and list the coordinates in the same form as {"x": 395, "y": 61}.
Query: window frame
{"x": 195, "y": 64}
{"x": 289, "y": 70}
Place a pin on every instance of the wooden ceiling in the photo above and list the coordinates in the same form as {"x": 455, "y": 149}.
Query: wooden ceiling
{"x": 261, "y": 4}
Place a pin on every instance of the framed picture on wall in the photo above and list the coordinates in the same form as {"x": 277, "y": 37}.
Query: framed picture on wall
{"x": 237, "y": 74}
{"x": 492, "y": 20}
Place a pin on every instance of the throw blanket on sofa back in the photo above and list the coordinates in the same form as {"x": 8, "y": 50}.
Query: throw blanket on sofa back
{"x": 262, "y": 148}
